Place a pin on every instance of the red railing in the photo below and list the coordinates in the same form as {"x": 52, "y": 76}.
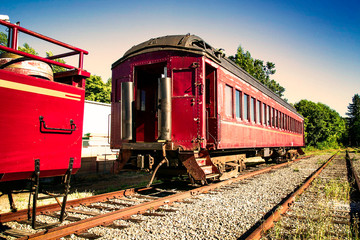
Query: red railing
{"x": 15, "y": 29}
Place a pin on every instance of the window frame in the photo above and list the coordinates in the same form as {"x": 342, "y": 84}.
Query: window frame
{"x": 231, "y": 102}
{"x": 246, "y": 115}
{"x": 238, "y": 105}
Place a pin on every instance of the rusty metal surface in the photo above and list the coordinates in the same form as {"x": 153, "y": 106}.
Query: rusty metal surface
{"x": 189, "y": 161}
{"x": 108, "y": 218}
{"x": 353, "y": 172}
{"x": 269, "y": 222}
{"x": 15, "y": 63}
{"x": 22, "y": 214}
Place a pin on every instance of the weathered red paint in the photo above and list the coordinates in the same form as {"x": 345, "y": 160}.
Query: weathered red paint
{"x": 25, "y": 101}
{"x": 189, "y": 113}
{"x": 22, "y": 142}
{"x": 239, "y": 133}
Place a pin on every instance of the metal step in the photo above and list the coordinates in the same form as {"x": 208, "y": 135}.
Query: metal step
{"x": 201, "y": 161}
{"x": 212, "y": 175}
{"x": 232, "y": 164}
{"x": 208, "y": 169}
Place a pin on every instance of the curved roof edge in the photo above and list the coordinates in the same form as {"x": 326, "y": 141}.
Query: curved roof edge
{"x": 194, "y": 44}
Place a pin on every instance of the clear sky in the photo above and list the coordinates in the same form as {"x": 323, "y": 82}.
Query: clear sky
{"x": 315, "y": 45}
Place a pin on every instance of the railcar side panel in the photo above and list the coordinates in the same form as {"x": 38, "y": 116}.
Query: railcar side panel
{"x": 238, "y": 129}
{"x": 24, "y": 100}
{"x": 187, "y": 107}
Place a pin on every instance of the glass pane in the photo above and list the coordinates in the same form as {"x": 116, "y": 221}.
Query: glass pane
{"x": 258, "y": 112}
{"x": 238, "y": 104}
{"x": 228, "y": 101}
{"x": 252, "y": 110}
{"x": 263, "y": 119}
{"x": 246, "y": 106}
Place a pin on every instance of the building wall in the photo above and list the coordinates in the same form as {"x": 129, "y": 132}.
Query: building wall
{"x": 96, "y": 118}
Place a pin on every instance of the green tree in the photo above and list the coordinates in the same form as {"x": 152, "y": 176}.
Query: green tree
{"x": 27, "y": 49}
{"x": 3, "y": 40}
{"x": 56, "y": 68}
{"x": 323, "y": 126}
{"x": 354, "y": 121}
{"x": 257, "y": 69}
{"x": 97, "y": 90}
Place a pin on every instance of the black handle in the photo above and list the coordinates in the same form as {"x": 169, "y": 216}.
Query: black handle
{"x": 44, "y": 129}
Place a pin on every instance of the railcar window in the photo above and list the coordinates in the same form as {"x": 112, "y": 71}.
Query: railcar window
{"x": 142, "y": 105}
{"x": 252, "y": 109}
{"x": 281, "y": 120}
{"x": 258, "y": 112}
{"x": 298, "y": 126}
{"x": 286, "y": 122}
{"x": 269, "y": 116}
{"x": 274, "y": 117}
{"x": 228, "y": 100}
{"x": 264, "y": 120}
{"x": 246, "y": 107}
{"x": 289, "y": 123}
{"x": 238, "y": 103}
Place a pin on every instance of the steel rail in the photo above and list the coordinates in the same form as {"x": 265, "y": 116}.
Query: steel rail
{"x": 108, "y": 218}
{"x": 353, "y": 172}
{"x": 22, "y": 214}
{"x": 276, "y": 215}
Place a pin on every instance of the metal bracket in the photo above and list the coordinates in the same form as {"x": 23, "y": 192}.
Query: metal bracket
{"x": 195, "y": 65}
{"x": 45, "y": 129}
{"x": 67, "y": 188}
{"x": 35, "y": 191}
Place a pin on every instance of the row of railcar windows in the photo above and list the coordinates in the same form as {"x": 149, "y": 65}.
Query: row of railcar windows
{"x": 250, "y": 109}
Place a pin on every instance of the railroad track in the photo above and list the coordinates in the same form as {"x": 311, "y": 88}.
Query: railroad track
{"x": 131, "y": 206}
{"x": 326, "y": 210}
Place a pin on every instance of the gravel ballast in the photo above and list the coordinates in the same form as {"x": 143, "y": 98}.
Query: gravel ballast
{"x": 224, "y": 214}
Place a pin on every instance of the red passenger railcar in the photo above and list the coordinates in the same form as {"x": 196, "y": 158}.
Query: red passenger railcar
{"x": 177, "y": 100}
{"x": 41, "y": 113}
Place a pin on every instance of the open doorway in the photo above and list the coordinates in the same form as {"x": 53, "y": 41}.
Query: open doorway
{"x": 210, "y": 100}
{"x": 146, "y": 101}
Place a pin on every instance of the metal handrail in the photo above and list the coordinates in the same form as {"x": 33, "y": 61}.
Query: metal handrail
{"x": 14, "y": 30}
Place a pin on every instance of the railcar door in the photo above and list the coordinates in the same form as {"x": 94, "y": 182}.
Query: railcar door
{"x": 211, "y": 113}
{"x": 146, "y": 105}
{"x": 185, "y": 103}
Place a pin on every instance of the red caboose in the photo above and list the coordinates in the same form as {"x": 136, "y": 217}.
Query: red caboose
{"x": 41, "y": 113}
{"x": 179, "y": 101}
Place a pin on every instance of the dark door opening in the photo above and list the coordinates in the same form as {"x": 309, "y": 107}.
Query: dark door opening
{"x": 146, "y": 101}
{"x": 210, "y": 100}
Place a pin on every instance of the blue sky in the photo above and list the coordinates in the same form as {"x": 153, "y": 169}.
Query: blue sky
{"x": 314, "y": 44}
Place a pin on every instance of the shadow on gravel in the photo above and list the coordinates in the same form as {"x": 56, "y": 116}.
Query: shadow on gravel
{"x": 270, "y": 212}
{"x": 354, "y": 199}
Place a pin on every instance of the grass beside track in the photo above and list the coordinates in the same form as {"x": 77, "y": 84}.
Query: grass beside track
{"x": 315, "y": 218}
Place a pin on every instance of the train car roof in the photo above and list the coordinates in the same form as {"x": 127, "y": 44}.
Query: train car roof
{"x": 194, "y": 44}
